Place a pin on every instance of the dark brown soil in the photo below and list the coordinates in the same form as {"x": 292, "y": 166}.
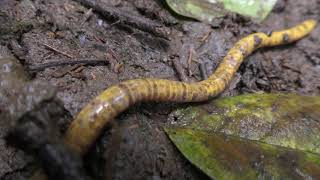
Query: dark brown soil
{"x": 137, "y": 147}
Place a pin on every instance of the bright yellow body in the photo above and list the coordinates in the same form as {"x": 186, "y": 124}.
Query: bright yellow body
{"x": 90, "y": 122}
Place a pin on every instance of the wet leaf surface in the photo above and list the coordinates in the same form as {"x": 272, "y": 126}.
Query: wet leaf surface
{"x": 281, "y": 119}
{"x": 251, "y": 136}
{"x": 207, "y": 10}
{"x": 228, "y": 157}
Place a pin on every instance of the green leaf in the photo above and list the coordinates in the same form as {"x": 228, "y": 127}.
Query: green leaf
{"x": 207, "y": 10}
{"x": 280, "y": 119}
{"x": 227, "y": 139}
{"x": 228, "y": 157}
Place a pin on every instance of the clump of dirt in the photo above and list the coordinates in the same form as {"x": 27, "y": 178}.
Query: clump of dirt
{"x": 65, "y": 31}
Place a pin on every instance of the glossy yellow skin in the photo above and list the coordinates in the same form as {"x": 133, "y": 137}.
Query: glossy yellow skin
{"x": 92, "y": 119}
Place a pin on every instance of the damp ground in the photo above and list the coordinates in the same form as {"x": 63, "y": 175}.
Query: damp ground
{"x": 137, "y": 147}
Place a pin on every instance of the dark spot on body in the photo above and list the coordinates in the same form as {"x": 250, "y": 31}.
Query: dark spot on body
{"x": 233, "y": 61}
{"x": 112, "y": 111}
{"x": 269, "y": 33}
{"x": 195, "y": 96}
{"x": 243, "y": 51}
{"x": 173, "y": 93}
{"x": 167, "y": 91}
{"x": 285, "y": 38}
{"x": 257, "y": 41}
{"x": 95, "y": 103}
{"x": 155, "y": 90}
{"x": 184, "y": 91}
{"x": 224, "y": 78}
{"x": 95, "y": 116}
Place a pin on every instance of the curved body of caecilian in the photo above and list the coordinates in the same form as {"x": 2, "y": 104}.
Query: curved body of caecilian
{"x": 92, "y": 119}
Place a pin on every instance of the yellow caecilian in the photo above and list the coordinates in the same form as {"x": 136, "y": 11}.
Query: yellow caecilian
{"x": 92, "y": 119}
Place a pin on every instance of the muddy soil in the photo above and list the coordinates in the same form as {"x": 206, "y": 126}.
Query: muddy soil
{"x": 137, "y": 147}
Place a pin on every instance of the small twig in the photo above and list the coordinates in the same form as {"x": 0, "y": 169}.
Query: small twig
{"x": 291, "y": 68}
{"x": 65, "y": 70}
{"x": 86, "y": 16}
{"x": 76, "y": 72}
{"x": 203, "y": 71}
{"x": 190, "y": 62}
{"x": 206, "y": 36}
{"x": 180, "y": 70}
{"x": 78, "y": 69}
{"x": 113, "y": 58}
{"x": 41, "y": 67}
{"x": 58, "y": 51}
{"x": 115, "y": 23}
{"x": 96, "y": 37}
{"x": 140, "y": 23}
